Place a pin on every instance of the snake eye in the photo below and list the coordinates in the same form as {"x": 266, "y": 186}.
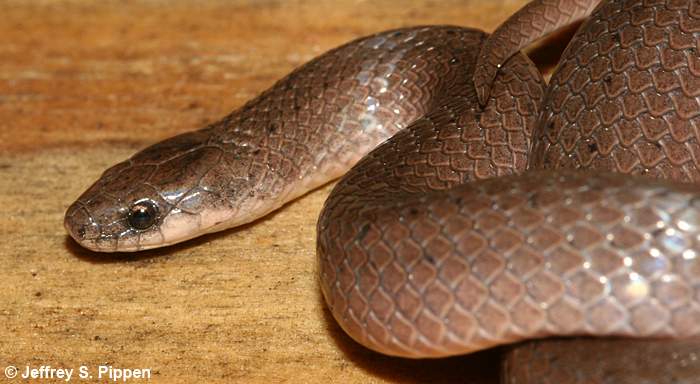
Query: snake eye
{"x": 142, "y": 214}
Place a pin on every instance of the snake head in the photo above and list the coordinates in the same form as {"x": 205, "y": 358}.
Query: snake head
{"x": 156, "y": 198}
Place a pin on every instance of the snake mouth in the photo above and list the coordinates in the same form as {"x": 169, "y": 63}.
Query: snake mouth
{"x": 87, "y": 231}
{"x": 116, "y": 235}
{"x": 108, "y": 234}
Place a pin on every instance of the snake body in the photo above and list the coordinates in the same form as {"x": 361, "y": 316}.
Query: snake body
{"x": 488, "y": 213}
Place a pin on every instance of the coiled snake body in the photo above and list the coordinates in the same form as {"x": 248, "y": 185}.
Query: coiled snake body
{"x": 437, "y": 242}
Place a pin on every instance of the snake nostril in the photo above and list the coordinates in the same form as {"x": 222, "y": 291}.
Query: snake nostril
{"x": 80, "y": 224}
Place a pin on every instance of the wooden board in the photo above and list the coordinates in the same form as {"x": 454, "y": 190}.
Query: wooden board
{"x": 83, "y": 85}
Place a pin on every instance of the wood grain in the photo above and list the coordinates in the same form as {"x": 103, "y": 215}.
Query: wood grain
{"x": 83, "y": 85}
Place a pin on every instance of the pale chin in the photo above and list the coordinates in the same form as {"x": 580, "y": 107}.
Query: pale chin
{"x": 180, "y": 226}
{"x": 175, "y": 228}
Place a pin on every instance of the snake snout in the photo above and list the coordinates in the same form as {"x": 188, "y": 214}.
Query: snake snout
{"x": 81, "y": 226}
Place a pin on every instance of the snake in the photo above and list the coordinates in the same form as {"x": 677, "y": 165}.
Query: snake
{"x": 478, "y": 206}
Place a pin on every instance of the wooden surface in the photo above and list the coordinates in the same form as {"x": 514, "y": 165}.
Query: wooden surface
{"x": 83, "y": 85}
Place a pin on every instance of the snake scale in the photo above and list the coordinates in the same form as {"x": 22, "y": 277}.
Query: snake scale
{"x": 478, "y": 207}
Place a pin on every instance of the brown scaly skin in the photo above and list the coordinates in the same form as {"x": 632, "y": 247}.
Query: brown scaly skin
{"x": 506, "y": 259}
{"x": 624, "y": 99}
{"x": 378, "y": 227}
{"x": 420, "y": 253}
{"x": 533, "y": 21}
{"x": 306, "y": 130}
{"x": 414, "y": 267}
